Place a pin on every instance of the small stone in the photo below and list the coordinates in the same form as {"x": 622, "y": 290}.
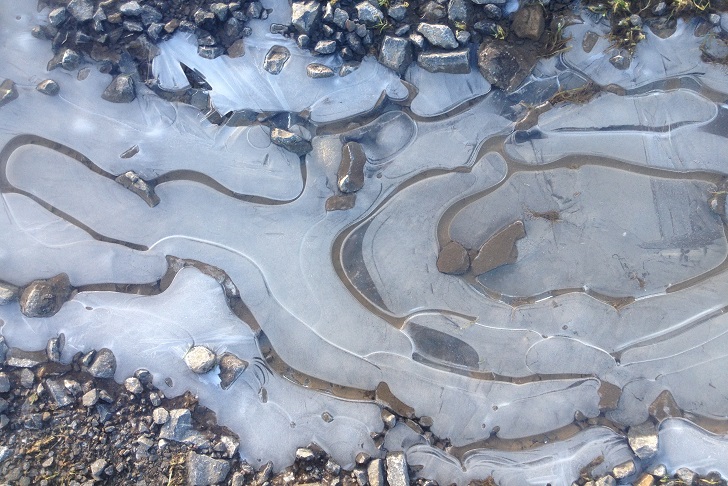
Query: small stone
{"x": 210, "y": 52}
{"x": 305, "y": 454}
{"x": 8, "y": 292}
{"x": 528, "y": 22}
{"x": 351, "y": 169}
{"x": 643, "y": 439}
{"x": 397, "y": 474}
{"x": 82, "y": 10}
{"x": 90, "y": 398}
{"x": 231, "y": 367}
{"x": 362, "y": 458}
{"x": 369, "y": 14}
{"x": 463, "y": 37}
{"x": 103, "y": 364}
{"x": 200, "y": 359}
{"x": 236, "y": 49}
{"x": 714, "y": 18}
{"x": 139, "y": 186}
{"x": 360, "y": 475}
{"x": 230, "y": 444}
{"x": 459, "y": 10}
{"x": 44, "y": 298}
{"x": 332, "y": 467}
{"x": 659, "y": 471}
{"x": 254, "y": 9}
{"x": 340, "y": 17}
{"x": 73, "y": 387}
{"x": 432, "y": 12}
{"x": 59, "y": 15}
{"x": 438, "y": 35}
{"x": 605, "y": 481}
{"x": 492, "y": 11}
{"x": 27, "y": 378}
{"x": 499, "y": 250}
{"x": 133, "y": 385}
{"x": 290, "y": 141}
{"x": 55, "y": 347}
{"x": 375, "y": 473}
{"x": 120, "y": 90}
{"x": 160, "y": 416}
{"x": 396, "y": 54}
{"x": 155, "y": 399}
{"x": 58, "y": 393}
{"x": 325, "y": 47}
{"x": 621, "y": 60}
{"x": 48, "y": 87}
{"x": 389, "y": 419}
{"x": 220, "y": 10}
{"x": 304, "y": 15}
{"x": 453, "y": 259}
{"x": 503, "y": 65}
{"x": 275, "y": 59}
{"x": 686, "y": 475}
{"x": 97, "y": 468}
{"x": 623, "y": 470}
{"x": 645, "y": 480}
{"x": 130, "y": 9}
{"x": 340, "y": 202}
{"x": 454, "y": 62}
{"x": 348, "y": 67}
{"x": 397, "y": 11}
{"x": 316, "y": 70}
{"x": 5, "y": 453}
{"x": 178, "y": 426}
{"x": 659, "y": 9}
{"x": 150, "y": 15}
{"x": 4, "y": 383}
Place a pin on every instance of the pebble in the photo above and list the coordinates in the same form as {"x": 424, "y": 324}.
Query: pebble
{"x": 160, "y": 416}
{"x": 120, "y": 90}
{"x": 133, "y": 385}
{"x": 103, "y": 364}
{"x": 276, "y": 59}
{"x": 200, "y": 359}
{"x": 90, "y": 398}
{"x": 317, "y": 70}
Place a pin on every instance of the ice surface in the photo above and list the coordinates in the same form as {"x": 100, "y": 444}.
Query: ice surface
{"x": 619, "y": 283}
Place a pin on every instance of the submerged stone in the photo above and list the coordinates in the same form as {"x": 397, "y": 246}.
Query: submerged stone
{"x": 8, "y": 92}
{"x": 43, "y": 298}
{"x": 528, "y": 22}
{"x": 499, "y": 250}
{"x": 453, "y": 259}
{"x": 351, "y": 168}
{"x": 276, "y": 59}
{"x": 138, "y": 186}
{"x": 453, "y": 62}
{"x": 290, "y": 141}
{"x": 502, "y": 64}
{"x": 48, "y": 87}
{"x": 231, "y": 367}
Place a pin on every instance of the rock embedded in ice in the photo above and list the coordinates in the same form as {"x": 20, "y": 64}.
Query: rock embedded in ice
{"x": 231, "y": 367}
{"x": 317, "y": 70}
{"x": 686, "y": 475}
{"x": 499, "y": 250}
{"x": 643, "y": 439}
{"x": 395, "y": 53}
{"x": 528, "y": 22}
{"x": 504, "y": 65}
{"x": 43, "y": 298}
{"x": 375, "y": 472}
{"x": 453, "y": 259}
{"x": 290, "y": 141}
{"x": 438, "y": 35}
{"x": 20, "y": 358}
{"x": 351, "y": 168}
{"x": 204, "y": 470}
{"x": 138, "y": 186}
{"x": 8, "y": 293}
{"x": 103, "y": 364}
{"x": 453, "y": 62}
{"x": 276, "y": 59}
{"x": 54, "y": 348}
{"x": 200, "y": 359}
{"x": 48, "y": 87}
{"x": 397, "y": 474}
{"x": 626, "y": 469}
{"x": 8, "y": 92}
{"x": 120, "y": 90}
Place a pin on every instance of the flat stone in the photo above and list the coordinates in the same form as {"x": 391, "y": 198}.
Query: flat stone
{"x": 204, "y": 470}
{"x": 340, "y": 202}
{"x": 120, "y": 90}
{"x": 499, "y": 250}
{"x": 139, "y": 186}
{"x": 210, "y": 52}
{"x": 200, "y": 359}
{"x": 103, "y": 364}
{"x": 58, "y": 393}
{"x": 90, "y": 398}
{"x": 276, "y": 59}
{"x": 623, "y": 470}
{"x": 20, "y": 358}
{"x": 316, "y": 70}
{"x": 504, "y": 65}
{"x": 8, "y": 92}
{"x": 43, "y": 298}
{"x": 370, "y": 15}
{"x": 178, "y": 426}
{"x": 453, "y": 62}
{"x": 351, "y": 169}
{"x": 453, "y": 259}
{"x": 375, "y": 473}
{"x": 8, "y": 293}
{"x": 304, "y": 15}
{"x": 82, "y": 10}
{"x": 643, "y": 439}
{"x": 397, "y": 474}
{"x": 325, "y": 47}
{"x": 438, "y": 35}
{"x": 48, "y": 87}
{"x": 528, "y": 22}
{"x": 290, "y": 141}
{"x": 395, "y": 53}
{"x": 231, "y": 367}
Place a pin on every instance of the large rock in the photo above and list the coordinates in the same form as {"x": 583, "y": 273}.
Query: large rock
{"x": 454, "y": 62}
{"x": 370, "y": 15}
{"x": 200, "y": 359}
{"x": 395, "y": 53}
{"x": 43, "y": 298}
{"x": 351, "y": 170}
{"x": 304, "y": 15}
{"x": 375, "y": 473}
{"x": 438, "y": 35}
{"x": 499, "y": 250}
{"x": 504, "y": 65}
{"x": 528, "y": 22}
{"x": 397, "y": 474}
{"x": 120, "y": 90}
{"x": 290, "y": 141}
{"x": 453, "y": 259}
{"x": 643, "y": 439}
{"x": 8, "y": 92}
{"x": 103, "y": 365}
{"x": 275, "y": 59}
{"x": 204, "y": 470}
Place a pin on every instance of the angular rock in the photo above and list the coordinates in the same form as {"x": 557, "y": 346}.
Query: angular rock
{"x": 528, "y": 22}
{"x": 664, "y": 407}
{"x": 340, "y": 17}
{"x": 395, "y": 53}
{"x": 139, "y": 186}
{"x": 48, "y": 87}
{"x": 133, "y": 385}
{"x": 375, "y": 473}
{"x": 131, "y": 9}
{"x": 316, "y": 71}
{"x": 453, "y": 259}
{"x": 686, "y": 476}
{"x": 90, "y": 398}
{"x": 8, "y": 92}
{"x": 645, "y": 480}
{"x": 623, "y": 470}
{"x": 178, "y": 426}
{"x": 348, "y": 67}
{"x": 43, "y": 298}
{"x": 210, "y": 52}
{"x": 236, "y": 49}
{"x": 290, "y": 141}
{"x": 438, "y": 35}
{"x": 120, "y": 90}
{"x": 325, "y": 47}
{"x": 231, "y": 445}
{"x": 504, "y": 65}
{"x": 20, "y": 358}
{"x": 8, "y": 293}
{"x": 304, "y": 15}
{"x": 58, "y": 393}
{"x": 57, "y": 16}
{"x": 370, "y": 15}
{"x": 231, "y": 367}
{"x": 4, "y": 383}
{"x": 200, "y": 359}
{"x": 27, "y": 378}
{"x": 605, "y": 481}
{"x": 97, "y": 468}
{"x": 340, "y": 202}
{"x": 454, "y": 62}
{"x": 351, "y": 169}
{"x": 5, "y": 453}
{"x": 459, "y": 11}
{"x": 82, "y": 10}
{"x": 160, "y": 416}
{"x": 397, "y": 11}
{"x": 275, "y": 59}
{"x": 499, "y": 250}
{"x": 103, "y": 364}
{"x": 493, "y": 12}
{"x": 150, "y": 15}
{"x": 55, "y": 347}
{"x": 397, "y": 474}
{"x": 643, "y": 439}
{"x": 67, "y": 59}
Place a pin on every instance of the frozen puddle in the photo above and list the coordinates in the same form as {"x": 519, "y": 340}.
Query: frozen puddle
{"x": 586, "y": 287}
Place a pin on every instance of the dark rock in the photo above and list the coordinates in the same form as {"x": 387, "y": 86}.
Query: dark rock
{"x": 528, "y": 22}
{"x": 150, "y": 15}
{"x": 58, "y": 393}
{"x": 57, "y": 16}
{"x": 4, "y": 383}
{"x": 485, "y": 27}
{"x": 340, "y": 202}
{"x": 43, "y": 298}
{"x": 97, "y": 468}
{"x": 67, "y": 59}
{"x": 103, "y": 364}
{"x": 351, "y": 169}
{"x": 304, "y": 15}
{"x": 453, "y": 259}
{"x": 8, "y": 293}
{"x": 120, "y": 90}
{"x": 131, "y": 26}
{"x": 220, "y": 10}
{"x": 432, "y": 12}
{"x": 347, "y": 68}
{"x": 290, "y": 141}
{"x": 621, "y": 60}
{"x": 200, "y": 359}
{"x": 340, "y": 17}
{"x": 325, "y": 47}
{"x": 204, "y": 470}
{"x": 369, "y": 14}
{"x": 25, "y": 359}
{"x": 82, "y": 10}
{"x": 438, "y": 35}
{"x": 397, "y": 11}
{"x": 178, "y": 426}
{"x": 492, "y": 11}
{"x": 131, "y": 9}
{"x": 504, "y": 65}
{"x": 54, "y": 348}
{"x": 48, "y": 87}
{"x": 462, "y": 36}
{"x": 275, "y": 59}
{"x": 455, "y": 62}
{"x": 316, "y": 70}
{"x": 204, "y": 20}
{"x": 254, "y": 9}
{"x": 231, "y": 367}
{"x": 459, "y": 11}
{"x": 395, "y": 53}
{"x": 210, "y": 52}
{"x": 498, "y": 250}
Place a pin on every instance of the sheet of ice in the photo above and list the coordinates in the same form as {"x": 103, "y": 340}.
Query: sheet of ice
{"x": 440, "y": 92}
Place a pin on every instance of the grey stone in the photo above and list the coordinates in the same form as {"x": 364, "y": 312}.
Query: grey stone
{"x": 4, "y": 383}
{"x": 397, "y": 474}
{"x": 643, "y": 439}
{"x": 715, "y": 48}
{"x": 340, "y": 17}
{"x": 90, "y": 398}
{"x": 438, "y": 35}
{"x": 132, "y": 9}
{"x": 264, "y": 473}
{"x": 178, "y": 427}
{"x": 459, "y": 10}
{"x": 623, "y": 470}
{"x": 97, "y": 468}
{"x": 150, "y": 15}
{"x": 375, "y": 473}
{"x": 8, "y": 293}
{"x": 48, "y": 87}
{"x": 325, "y": 47}
{"x": 621, "y": 60}
{"x": 528, "y": 22}
{"x": 369, "y": 14}
{"x": 686, "y": 475}
{"x": 155, "y": 398}
{"x": 103, "y": 364}
{"x": 332, "y": 467}
{"x": 58, "y": 393}
{"x": 303, "y": 41}
{"x": 432, "y": 12}
{"x": 659, "y": 471}
{"x": 8, "y": 92}
{"x": 160, "y": 416}
{"x": 417, "y": 40}
{"x": 605, "y": 481}
{"x": 290, "y": 141}
{"x": 241, "y": 118}
{"x": 73, "y": 387}
{"x": 454, "y": 62}
{"x": 348, "y": 67}
{"x": 200, "y": 359}
{"x": 67, "y": 59}
{"x": 351, "y": 169}
{"x": 328, "y": 15}
{"x": 275, "y": 59}
{"x": 236, "y": 49}
{"x": 230, "y": 444}
{"x": 133, "y": 385}
{"x": 20, "y": 358}
{"x": 210, "y": 52}
{"x": 82, "y": 10}
{"x": 660, "y": 8}
{"x": 395, "y": 53}
{"x": 5, "y": 453}
{"x": 463, "y": 37}
{"x": 3, "y": 405}
{"x": 502, "y": 64}
{"x": 453, "y": 259}
{"x": 305, "y": 454}
{"x": 316, "y": 70}
{"x": 57, "y": 16}
{"x": 398, "y": 11}
{"x": 389, "y": 419}
{"x": 492, "y": 11}
{"x": 254, "y": 9}
{"x": 120, "y": 90}
{"x": 360, "y": 475}
{"x": 220, "y": 10}
{"x": 139, "y": 186}
{"x": 714, "y": 18}
{"x": 402, "y": 30}
{"x": 231, "y": 367}
{"x": 131, "y": 26}
{"x": 362, "y": 458}
{"x": 43, "y": 298}
{"x": 27, "y": 378}
{"x": 54, "y": 348}
{"x": 304, "y": 15}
